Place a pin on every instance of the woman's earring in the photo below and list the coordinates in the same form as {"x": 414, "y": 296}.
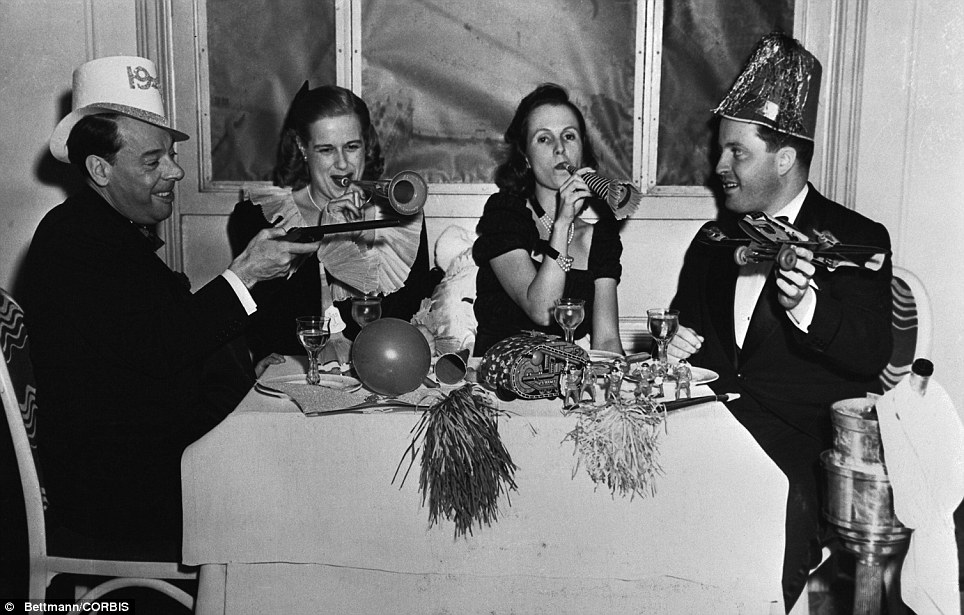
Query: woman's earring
{"x": 526, "y": 158}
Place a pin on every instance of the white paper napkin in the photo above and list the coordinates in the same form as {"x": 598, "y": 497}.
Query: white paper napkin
{"x": 923, "y": 441}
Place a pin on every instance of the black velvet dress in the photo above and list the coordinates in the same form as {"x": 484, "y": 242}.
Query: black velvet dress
{"x": 507, "y": 225}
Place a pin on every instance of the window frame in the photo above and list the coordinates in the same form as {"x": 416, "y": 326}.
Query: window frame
{"x": 813, "y": 20}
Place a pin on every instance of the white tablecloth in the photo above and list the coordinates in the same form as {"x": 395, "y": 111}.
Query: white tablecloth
{"x": 304, "y": 514}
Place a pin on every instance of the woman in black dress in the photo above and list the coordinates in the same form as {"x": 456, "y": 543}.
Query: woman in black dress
{"x": 532, "y": 247}
{"x": 327, "y": 136}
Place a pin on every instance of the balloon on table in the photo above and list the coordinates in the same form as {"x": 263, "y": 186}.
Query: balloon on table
{"x": 391, "y": 356}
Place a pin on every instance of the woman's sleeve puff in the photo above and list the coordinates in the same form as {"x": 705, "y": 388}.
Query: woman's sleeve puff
{"x": 505, "y": 225}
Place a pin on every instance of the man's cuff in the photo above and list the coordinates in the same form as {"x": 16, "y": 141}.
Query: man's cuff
{"x": 244, "y": 296}
{"x": 802, "y": 315}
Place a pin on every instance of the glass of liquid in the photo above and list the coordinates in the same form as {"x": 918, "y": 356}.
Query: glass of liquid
{"x": 569, "y": 313}
{"x": 663, "y": 324}
{"x": 313, "y": 333}
{"x": 366, "y": 309}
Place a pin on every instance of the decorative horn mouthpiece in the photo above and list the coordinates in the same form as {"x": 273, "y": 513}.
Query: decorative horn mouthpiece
{"x": 621, "y": 196}
{"x": 406, "y": 192}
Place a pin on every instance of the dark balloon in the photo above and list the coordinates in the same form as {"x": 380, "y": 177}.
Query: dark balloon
{"x": 391, "y": 356}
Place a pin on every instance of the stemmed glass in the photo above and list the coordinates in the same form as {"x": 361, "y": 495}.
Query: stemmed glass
{"x": 366, "y": 309}
{"x": 313, "y": 333}
{"x": 569, "y": 313}
{"x": 663, "y": 324}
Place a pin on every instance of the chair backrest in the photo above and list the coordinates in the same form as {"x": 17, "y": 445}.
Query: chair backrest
{"x": 19, "y": 396}
{"x": 911, "y": 326}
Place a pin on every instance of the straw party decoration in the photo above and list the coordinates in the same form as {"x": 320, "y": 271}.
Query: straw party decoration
{"x": 464, "y": 466}
{"x": 617, "y": 444}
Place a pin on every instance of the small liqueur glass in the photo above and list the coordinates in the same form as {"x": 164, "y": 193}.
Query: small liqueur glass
{"x": 569, "y": 313}
{"x": 663, "y": 324}
{"x": 313, "y": 333}
{"x": 366, "y": 309}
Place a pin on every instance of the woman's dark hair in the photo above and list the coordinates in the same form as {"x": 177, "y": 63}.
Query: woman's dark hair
{"x": 514, "y": 175}
{"x": 309, "y": 106}
{"x": 94, "y": 135}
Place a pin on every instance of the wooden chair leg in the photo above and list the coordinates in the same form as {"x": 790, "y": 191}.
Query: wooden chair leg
{"x": 212, "y": 581}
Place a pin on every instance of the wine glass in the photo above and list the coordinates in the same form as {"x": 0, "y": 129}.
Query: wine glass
{"x": 569, "y": 313}
{"x": 663, "y": 324}
{"x": 313, "y": 333}
{"x": 366, "y": 309}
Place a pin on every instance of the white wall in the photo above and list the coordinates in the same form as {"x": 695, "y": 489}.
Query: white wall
{"x": 41, "y": 42}
{"x": 36, "y": 56}
{"x": 911, "y": 157}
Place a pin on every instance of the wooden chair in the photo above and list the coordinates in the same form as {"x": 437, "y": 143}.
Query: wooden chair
{"x": 18, "y": 395}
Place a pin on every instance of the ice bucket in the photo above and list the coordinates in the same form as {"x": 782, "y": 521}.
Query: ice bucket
{"x": 860, "y": 501}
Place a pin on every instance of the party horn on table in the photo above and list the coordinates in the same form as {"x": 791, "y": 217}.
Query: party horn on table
{"x": 669, "y": 406}
{"x": 621, "y": 196}
{"x": 450, "y": 368}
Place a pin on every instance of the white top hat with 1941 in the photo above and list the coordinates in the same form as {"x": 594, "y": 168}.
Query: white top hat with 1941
{"x": 128, "y": 85}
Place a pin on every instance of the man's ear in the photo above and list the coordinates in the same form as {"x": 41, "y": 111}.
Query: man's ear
{"x": 786, "y": 159}
{"x": 99, "y": 169}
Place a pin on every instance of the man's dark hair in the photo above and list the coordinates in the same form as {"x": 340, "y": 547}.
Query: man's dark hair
{"x": 514, "y": 175}
{"x": 94, "y": 135}
{"x": 775, "y": 140}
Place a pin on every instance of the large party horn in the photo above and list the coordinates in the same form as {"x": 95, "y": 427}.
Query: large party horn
{"x": 406, "y": 192}
{"x": 621, "y": 196}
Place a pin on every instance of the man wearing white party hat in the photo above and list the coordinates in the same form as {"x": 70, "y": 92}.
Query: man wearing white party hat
{"x": 790, "y": 342}
{"x": 131, "y": 366}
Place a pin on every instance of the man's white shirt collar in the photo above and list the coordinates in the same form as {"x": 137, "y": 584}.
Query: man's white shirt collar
{"x": 791, "y": 210}
{"x": 753, "y": 276}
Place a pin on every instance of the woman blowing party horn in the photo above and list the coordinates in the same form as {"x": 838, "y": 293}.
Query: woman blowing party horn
{"x": 533, "y": 249}
{"x": 328, "y": 156}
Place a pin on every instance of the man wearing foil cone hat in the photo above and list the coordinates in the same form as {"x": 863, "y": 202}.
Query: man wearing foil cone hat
{"x": 131, "y": 366}
{"x": 790, "y": 342}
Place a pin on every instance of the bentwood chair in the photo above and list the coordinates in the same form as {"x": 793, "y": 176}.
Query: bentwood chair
{"x": 911, "y": 326}
{"x": 912, "y": 339}
{"x": 18, "y": 394}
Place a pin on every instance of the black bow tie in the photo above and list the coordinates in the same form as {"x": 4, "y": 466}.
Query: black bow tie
{"x": 152, "y": 236}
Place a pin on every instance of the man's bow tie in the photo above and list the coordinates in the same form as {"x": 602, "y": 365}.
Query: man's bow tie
{"x": 152, "y": 236}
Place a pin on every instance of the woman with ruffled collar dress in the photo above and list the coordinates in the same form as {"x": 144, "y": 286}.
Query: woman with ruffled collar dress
{"x": 532, "y": 246}
{"x": 327, "y": 136}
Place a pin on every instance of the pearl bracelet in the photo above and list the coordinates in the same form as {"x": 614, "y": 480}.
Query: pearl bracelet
{"x": 564, "y": 262}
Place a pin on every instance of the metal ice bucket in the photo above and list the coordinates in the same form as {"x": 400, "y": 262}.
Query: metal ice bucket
{"x": 860, "y": 501}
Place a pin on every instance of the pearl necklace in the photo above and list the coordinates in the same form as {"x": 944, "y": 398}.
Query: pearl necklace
{"x": 546, "y": 221}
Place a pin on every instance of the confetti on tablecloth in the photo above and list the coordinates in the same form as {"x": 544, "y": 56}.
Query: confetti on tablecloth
{"x": 317, "y": 400}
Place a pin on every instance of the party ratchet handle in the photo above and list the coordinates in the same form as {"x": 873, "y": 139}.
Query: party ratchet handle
{"x": 307, "y": 234}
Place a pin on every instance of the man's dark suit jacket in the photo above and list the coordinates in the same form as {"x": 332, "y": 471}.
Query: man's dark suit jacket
{"x": 783, "y": 373}
{"x": 131, "y": 368}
